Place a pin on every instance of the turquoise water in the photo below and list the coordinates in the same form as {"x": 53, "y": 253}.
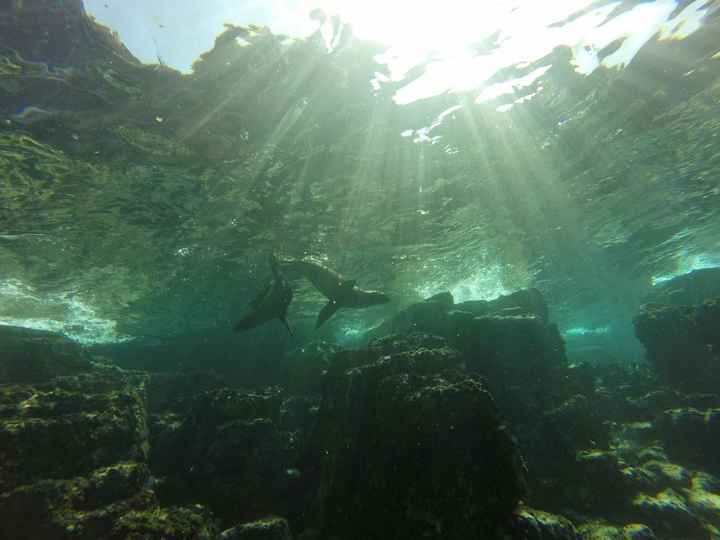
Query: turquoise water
{"x": 383, "y": 269}
{"x": 568, "y": 149}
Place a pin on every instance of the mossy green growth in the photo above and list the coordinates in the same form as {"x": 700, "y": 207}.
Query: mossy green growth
{"x": 638, "y": 531}
{"x": 550, "y": 526}
{"x": 670, "y": 473}
{"x": 600, "y": 530}
{"x": 269, "y": 528}
{"x": 175, "y": 523}
{"x": 81, "y": 508}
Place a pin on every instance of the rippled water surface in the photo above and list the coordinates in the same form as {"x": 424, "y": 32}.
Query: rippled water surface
{"x": 151, "y": 159}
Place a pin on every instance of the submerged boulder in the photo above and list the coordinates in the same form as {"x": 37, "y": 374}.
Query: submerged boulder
{"x": 95, "y": 418}
{"x": 692, "y": 436}
{"x": 33, "y": 356}
{"x": 227, "y": 448}
{"x": 174, "y": 523}
{"x": 84, "y": 507}
{"x": 689, "y": 289}
{"x": 434, "y": 315}
{"x": 683, "y": 343}
{"x": 509, "y": 341}
{"x": 271, "y": 528}
{"x": 74, "y": 446}
{"x": 531, "y": 524}
{"x": 408, "y": 444}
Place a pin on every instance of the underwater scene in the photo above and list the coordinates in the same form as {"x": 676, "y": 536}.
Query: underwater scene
{"x": 359, "y": 270}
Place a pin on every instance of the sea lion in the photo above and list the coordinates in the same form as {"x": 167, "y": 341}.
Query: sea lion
{"x": 340, "y": 292}
{"x": 271, "y": 303}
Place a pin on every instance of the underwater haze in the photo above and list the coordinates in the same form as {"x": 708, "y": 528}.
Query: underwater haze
{"x": 375, "y": 269}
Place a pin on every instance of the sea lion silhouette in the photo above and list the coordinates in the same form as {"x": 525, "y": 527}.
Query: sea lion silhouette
{"x": 271, "y": 303}
{"x": 340, "y": 292}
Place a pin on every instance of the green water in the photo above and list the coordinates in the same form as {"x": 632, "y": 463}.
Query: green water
{"x": 138, "y": 202}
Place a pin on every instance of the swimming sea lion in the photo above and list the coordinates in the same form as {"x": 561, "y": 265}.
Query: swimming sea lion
{"x": 340, "y": 292}
{"x": 271, "y": 303}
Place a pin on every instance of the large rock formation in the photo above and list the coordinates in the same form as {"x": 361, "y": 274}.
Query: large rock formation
{"x": 33, "y": 356}
{"x": 409, "y": 444}
{"x": 74, "y": 446}
{"x": 233, "y": 450}
{"x": 691, "y": 289}
{"x": 503, "y": 338}
{"x": 683, "y": 344}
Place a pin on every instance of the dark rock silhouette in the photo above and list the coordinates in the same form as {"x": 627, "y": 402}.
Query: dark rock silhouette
{"x": 683, "y": 344}
{"x": 408, "y": 444}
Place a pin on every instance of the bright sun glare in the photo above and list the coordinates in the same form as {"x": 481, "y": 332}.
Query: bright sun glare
{"x": 469, "y": 41}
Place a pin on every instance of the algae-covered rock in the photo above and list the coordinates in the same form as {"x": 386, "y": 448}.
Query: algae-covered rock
{"x": 408, "y": 444}
{"x": 599, "y": 530}
{"x": 555, "y": 442}
{"x": 229, "y": 451}
{"x": 78, "y": 508}
{"x": 512, "y": 328}
{"x": 669, "y": 514}
{"x": 93, "y": 428}
{"x": 168, "y": 391}
{"x": 683, "y": 343}
{"x": 638, "y": 531}
{"x": 692, "y": 436}
{"x": 533, "y": 524}
{"x": 33, "y": 356}
{"x": 303, "y": 369}
{"x": 175, "y": 523}
{"x": 689, "y": 289}
{"x": 271, "y": 528}
{"x": 602, "y": 486}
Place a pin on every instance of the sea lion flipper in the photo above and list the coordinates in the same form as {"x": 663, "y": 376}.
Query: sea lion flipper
{"x": 325, "y": 313}
{"x": 287, "y": 325}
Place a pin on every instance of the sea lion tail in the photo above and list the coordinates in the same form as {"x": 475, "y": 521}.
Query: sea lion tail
{"x": 325, "y": 313}
{"x": 287, "y": 325}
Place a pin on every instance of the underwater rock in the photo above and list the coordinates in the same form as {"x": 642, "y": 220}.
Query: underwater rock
{"x": 66, "y": 29}
{"x": 227, "y": 451}
{"x": 169, "y": 390}
{"x": 78, "y": 508}
{"x": 692, "y": 436}
{"x": 303, "y": 368}
{"x": 667, "y": 512}
{"x": 683, "y": 344}
{"x": 433, "y": 315}
{"x": 600, "y": 485}
{"x": 59, "y": 59}
{"x": 271, "y": 528}
{"x": 532, "y": 524}
{"x": 97, "y": 419}
{"x": 176, "y": 523}
{"x": 689, "y": 289}
{"x": 633, "y": 434}
{"x": 33, "y": 356}
{"x": 508, "y": 341}
{"x": 703, "y": 497}
{"x": 506, "y": 344}
{"x": 638, "y": 531}
{"x": 408, "y": 444}
{"x": 606, "y": 531}
{"x": 298, "y": 415}
{"x": 523, "y": 302}
{"x": 551, "y": 445}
